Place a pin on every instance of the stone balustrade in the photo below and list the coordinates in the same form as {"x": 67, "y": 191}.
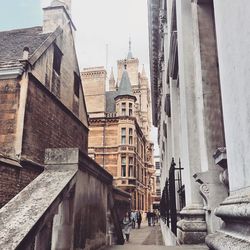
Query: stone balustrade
{"x": 70, "y": 205}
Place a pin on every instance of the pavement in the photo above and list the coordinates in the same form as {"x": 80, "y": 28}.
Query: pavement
{"x": 150, "y": 238}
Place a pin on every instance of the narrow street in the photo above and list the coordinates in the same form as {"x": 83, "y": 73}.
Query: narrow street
{"x": 150, "y": 238}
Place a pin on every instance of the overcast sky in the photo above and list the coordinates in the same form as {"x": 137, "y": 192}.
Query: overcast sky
{"x": 111, "y": 22}
{"x": 98, "y": 22}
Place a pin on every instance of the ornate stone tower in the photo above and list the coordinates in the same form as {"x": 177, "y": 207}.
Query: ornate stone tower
{"x": 140, "y": 89}
{"x": 125, "y": 100}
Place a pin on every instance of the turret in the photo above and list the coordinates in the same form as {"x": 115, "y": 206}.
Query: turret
{"x": 125, "y": 100}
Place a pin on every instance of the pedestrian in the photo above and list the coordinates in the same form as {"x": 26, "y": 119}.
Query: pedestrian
{"x": 133, "y": 218}
{"x": 139, "y": 219}
{"x": 127, "y": 224}
{"x": 149, "y": 218}
{"x": 153, "y": 218}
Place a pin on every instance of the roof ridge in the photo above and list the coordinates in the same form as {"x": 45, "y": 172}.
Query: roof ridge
{"x": 13, "y": 30}
{"x": 52, "y": 36}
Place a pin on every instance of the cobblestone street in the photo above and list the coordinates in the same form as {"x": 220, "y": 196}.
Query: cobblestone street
{"x": 150, "y": 238}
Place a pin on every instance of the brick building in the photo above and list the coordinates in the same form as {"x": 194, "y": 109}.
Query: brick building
{"x": 120, "y": 122}
{"x": 41, "y": 97}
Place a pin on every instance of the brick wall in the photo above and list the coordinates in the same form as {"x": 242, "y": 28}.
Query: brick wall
{"x": 13, "y": 179}
{"x": 49, "y": 124}
{"x": 9, "y": 99}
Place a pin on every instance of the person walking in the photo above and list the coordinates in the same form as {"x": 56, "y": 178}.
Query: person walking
{"x": 139, "y": 219}
{"x": 127, "y": 224}
{"x": 133, "y": 218}
{"x": 153, "y": 218}
{"x": 149, "y": 218}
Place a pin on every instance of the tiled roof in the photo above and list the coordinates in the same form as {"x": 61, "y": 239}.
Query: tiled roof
{"x": 125, "y": 85}
{"x": 110, "y": 101}
{"x": 13, "y": 42}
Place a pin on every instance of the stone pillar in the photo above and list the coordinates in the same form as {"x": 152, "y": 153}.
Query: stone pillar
{"x": 233, "y": 36}
{"x": 209, "y": 112}
{"x": 192, "y": 227}
{"x": 63, "y": 227}
{"x": 43, "y": 238}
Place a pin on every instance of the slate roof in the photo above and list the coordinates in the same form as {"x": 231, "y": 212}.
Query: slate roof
{"x": 125, "y": 85}
{"x": 13, "y": 42}
{"x": 110, "y": 101}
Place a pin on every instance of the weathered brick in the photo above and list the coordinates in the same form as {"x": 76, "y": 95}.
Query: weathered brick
{"x": 49, "y": 124}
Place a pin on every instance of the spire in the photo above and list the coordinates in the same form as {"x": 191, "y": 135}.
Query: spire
{"x": 125, "y": 85}
{"x": 130, "y": 56}
{"x": 112, "y": 81}
{"x": 111, "y": 77}
{"x": 143, "y": 72}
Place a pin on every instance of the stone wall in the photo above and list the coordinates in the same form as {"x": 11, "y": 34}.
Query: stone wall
{"x": 66, "y": 207}
{"x": 48, "y": 123}
{"x": 94, "y": 89}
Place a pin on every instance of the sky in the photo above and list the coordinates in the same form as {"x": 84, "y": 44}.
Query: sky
{"x": 103, "y": 28}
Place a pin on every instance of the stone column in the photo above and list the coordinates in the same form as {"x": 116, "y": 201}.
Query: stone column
{"x": 62, "y": 227}
{"x": 209, "y": 112}
{"x": 192, "y": 227}
{"x": 43, "y": 238}
{"x": 233, "y": 36}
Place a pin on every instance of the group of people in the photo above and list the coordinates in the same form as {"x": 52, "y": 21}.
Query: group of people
{"x": 129, "y": 222}
{"x": 134, "y": 217}
{"x": 152, "y": 217}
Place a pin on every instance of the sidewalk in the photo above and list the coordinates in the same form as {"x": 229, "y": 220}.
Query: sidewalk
{"x": 150, "y": 238}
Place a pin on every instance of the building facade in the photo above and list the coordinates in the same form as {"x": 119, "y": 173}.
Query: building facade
{"x": 42, "y": 103}
{"x": 157, "y": 182}
{"x": 120, "y": 125}
{"x": 195, "y": 58}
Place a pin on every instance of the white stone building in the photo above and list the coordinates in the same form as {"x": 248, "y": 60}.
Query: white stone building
{"x": 199, "y": 55}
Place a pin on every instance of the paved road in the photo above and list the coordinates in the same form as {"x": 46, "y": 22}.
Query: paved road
{"x": 150, "y": 238}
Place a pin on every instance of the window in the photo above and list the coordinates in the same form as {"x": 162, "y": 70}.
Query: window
{"x": 158, "y": 192}
{"x": 76, "y": 84}
{"x": 123, "y": 166}
{"x": 157, "y": 179}
{"x": 57, "y": 59}
{"x": 123, "y": 136}
{"x": 130, "y": 138}
{"x": 135, "y": 171}
{"x": 130, "y": 109}
{"x": 123, "y": 108}
{"x": 130, "y": 170}
{"x": 56, "y": 85}
{"x": 157, "y": 165}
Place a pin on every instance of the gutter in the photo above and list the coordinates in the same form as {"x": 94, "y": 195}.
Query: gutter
{"x": 11, "y": 72}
